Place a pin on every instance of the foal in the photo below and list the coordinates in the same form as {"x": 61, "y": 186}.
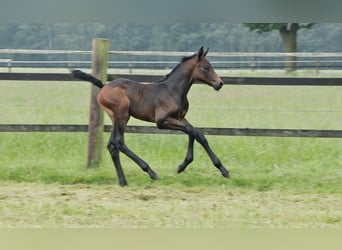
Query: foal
{"x": 163, "y": 102}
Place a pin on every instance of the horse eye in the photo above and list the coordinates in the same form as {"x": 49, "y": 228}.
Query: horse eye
{"x": 206, "y": 67}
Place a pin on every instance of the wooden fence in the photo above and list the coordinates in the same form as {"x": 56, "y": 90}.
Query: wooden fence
{"x": 149, "y": 129}
{"x": 95, "y": 127}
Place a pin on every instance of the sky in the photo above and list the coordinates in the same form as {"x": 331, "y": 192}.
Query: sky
{"x": 162, "y": 11}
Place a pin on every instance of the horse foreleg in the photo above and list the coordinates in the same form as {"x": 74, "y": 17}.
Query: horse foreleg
{"x": 194, "y": 134}
{"x": 200, "y": 138}
{"x": 189, "y": 157}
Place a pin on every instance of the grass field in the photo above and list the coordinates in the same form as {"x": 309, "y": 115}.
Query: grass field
{"x": 276, "y": 182}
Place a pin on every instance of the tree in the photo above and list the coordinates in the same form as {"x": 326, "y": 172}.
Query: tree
{"x": 288, "y": 32}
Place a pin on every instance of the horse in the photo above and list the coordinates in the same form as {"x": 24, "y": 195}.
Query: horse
{"x": 163, "y": 102}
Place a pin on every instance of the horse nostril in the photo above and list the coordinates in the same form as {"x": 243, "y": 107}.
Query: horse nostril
{"x": 218, "y": 85}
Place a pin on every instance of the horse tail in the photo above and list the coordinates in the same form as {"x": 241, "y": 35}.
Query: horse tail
{"x": 86, "y": 77}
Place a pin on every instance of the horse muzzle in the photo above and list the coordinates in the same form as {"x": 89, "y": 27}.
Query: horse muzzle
{"x": 218, "y": 85}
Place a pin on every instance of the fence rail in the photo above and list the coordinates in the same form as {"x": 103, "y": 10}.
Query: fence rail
{"x": 173, "y": 53}
{"x": 143, "y": 59}
{"x": 286, "y": 81}
{"x": 154, "y": 130}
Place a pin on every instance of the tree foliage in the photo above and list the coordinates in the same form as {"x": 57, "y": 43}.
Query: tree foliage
{"x": 267, "y": 27}
{"x": 288, "y": 33}
{"x": 169, "y": 37}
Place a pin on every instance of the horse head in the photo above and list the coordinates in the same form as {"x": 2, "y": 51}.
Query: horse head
{"x": 204, "y": 72}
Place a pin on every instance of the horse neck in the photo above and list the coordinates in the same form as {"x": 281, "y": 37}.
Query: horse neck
{"x": 180, "y": 80}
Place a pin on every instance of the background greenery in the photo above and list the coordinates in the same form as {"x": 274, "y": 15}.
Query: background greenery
{"x": 324, "y": 37}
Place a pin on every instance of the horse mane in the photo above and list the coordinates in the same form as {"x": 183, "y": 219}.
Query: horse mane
{"x": 184, "y": 59}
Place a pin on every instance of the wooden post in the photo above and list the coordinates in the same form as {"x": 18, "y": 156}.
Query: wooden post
{"x": 99, "y": 70}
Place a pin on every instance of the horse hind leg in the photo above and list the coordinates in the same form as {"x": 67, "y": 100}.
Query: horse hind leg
{"x": 141, "y": 163}
{"x": 116, "y": 105}
{"x": 117, "y": 143}
{"x": 114, "y": 150}
{"x": 115, "y": 154}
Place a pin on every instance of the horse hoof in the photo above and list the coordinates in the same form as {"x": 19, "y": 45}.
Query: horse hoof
{"x": 123, "y": 184}
{"x": 180, "y": 169}
{"x": 154, "y": 176}
{"x": 225, "y": 173}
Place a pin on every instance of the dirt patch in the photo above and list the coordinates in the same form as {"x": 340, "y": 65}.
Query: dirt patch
{"x": 29, "y": 205}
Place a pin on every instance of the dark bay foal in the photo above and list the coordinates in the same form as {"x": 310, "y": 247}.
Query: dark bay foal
{"x": 164, "y": 103}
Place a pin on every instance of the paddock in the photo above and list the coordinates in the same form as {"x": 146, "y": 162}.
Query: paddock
{"x": 279, "y": 181}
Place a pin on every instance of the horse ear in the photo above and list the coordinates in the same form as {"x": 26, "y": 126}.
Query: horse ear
{"x": 200, "y": 53}
{"x": 206, "y": 52}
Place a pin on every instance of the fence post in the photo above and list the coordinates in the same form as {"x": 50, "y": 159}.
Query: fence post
{"x": 99, "y": 70}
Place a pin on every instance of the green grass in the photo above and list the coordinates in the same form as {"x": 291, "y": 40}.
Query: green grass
{"x": 275, "y": 163}
{"x": 271, "y": 177}
{"x": 258, "y": 163}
